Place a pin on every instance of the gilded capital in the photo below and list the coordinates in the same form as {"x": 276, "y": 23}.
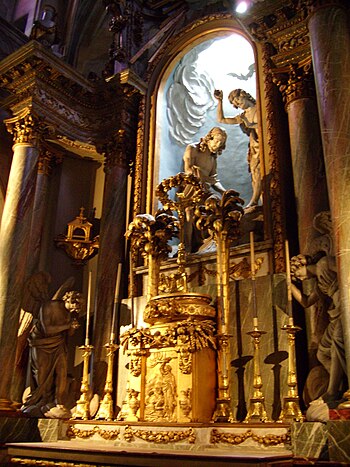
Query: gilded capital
{"x": 27, "y": 128}
{"x": 45, "y": 162}
{"x": 115, "y": 151}
{"x": 297, "y": 83}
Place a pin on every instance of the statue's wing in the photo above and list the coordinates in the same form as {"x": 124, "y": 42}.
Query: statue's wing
{"x": 65, "y": 287}
{"x": 35, "y": 292}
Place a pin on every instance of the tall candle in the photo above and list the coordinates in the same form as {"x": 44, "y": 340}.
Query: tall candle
{"x": 132, "y": 290}
{"x": 252, "y": 255}
{"x": 88, "y": 310}
{"x": 116, "y": 300}
{"x": 288, "y": 276}
{"x": 252, "y": 267}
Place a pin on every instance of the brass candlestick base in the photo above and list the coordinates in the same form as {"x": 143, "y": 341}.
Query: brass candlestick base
{"x": 83, "y": 404}
{"x": 345, "y": 404}
{"x": 291, "y": 409}
{"x": 105, "y": 411}
{"x": 223, "y": 411}
{"x": 257, "y": 410}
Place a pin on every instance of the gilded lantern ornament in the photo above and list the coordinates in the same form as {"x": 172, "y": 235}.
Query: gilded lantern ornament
{"x": 78, "y": 244}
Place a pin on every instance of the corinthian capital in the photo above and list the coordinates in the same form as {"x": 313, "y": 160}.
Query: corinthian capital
{"x": 115, "y": 151}
{"x": 28, "y": 128}
{"x": 298, "y": 83}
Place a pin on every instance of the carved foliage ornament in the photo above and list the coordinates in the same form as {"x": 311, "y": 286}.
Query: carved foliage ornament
{"x": 150, "y": 235}
{"x": 28, "y": 128}
{"x": 297, "y": 84}
{"x": 196, "y": 335}
{"x": 239, "y": 438}
{"x": 160, "y": 437}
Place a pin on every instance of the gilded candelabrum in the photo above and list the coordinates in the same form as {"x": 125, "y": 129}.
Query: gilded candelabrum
{"x": 83, "y": 404}
{"x": 291, "y": 409}
{"x": 221, "y": 217}
{"x": 180, "y": 205}
{"x": 150, "y": 235}
{"x": 105, "y": 411}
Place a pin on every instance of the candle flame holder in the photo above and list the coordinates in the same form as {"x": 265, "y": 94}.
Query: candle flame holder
{"x": 83, "y": 404}
{"x": 291, "y": 409}
{"x": 105, "y": 411}
{"x": 257, "y": 410}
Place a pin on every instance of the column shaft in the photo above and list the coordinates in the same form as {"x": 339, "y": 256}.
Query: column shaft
{"x": 15, "y": 228}
{"x": 111, "y": 252}
{"x": 310, "y": 185}
{"x": 330, "y": 45}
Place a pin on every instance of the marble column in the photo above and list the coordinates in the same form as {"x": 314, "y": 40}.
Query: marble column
{"x": 39, "y": 210}
{"x": 34, "y": 250}
{"x": 111, "y": 252}
{"x": 330, "y": 46}
{"x": 14, "y": 234}
{"x": 310, "y": 185}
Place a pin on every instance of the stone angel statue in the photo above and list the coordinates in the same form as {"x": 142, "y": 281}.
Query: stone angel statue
{"x": 321, "y": 266}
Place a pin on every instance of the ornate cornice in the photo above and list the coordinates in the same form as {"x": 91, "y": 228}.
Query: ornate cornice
{"x": 286, "y": 30}
{"x": 85, "y": 112}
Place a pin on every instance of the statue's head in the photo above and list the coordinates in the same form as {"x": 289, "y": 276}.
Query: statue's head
{"x": 214, "y": 140}
{"x": 298, "y": 267}
{"x": 239, "y": 97}
{"x": 73, "y": 301}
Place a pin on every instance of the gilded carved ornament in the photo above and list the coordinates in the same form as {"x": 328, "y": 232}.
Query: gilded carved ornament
{"x": 273, "y": 169}
{"x": 239, "y": 438}
{"x": 74, "y": 432}
{"x": 194, "y": 334}
{"x": 28, "y": 128}
{"x": 45, "y": 463}
{"x": 297, "y": 83}
{"x": 160, "y": 437}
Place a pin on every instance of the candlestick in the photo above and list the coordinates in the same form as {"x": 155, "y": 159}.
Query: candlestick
{"x": 116, "y": 300}
{"x": 88, "y": 310}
